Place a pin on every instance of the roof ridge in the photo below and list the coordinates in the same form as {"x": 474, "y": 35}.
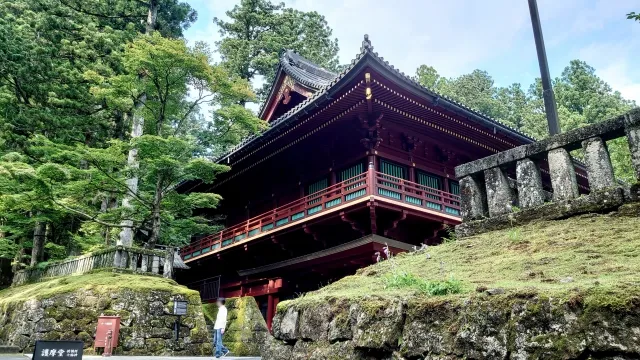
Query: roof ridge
{"x": 367, "y": 47}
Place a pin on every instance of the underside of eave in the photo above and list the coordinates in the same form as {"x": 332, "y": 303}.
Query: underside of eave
{"x": 272, "y": 93}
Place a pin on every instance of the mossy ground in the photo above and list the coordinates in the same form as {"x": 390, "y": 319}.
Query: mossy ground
{"x": 595, "y": 257}
{"x": 104, "y": 282}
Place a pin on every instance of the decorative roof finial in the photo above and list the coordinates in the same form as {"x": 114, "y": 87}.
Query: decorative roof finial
{"x": 366, "y": 44}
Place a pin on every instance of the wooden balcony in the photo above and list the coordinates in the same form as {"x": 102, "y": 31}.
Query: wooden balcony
{"x": 361, "y": 188}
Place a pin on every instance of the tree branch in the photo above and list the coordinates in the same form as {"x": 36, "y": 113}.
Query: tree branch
{"x": 89, "y": 217}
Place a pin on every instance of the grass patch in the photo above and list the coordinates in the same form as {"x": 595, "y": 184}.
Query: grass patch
{"x": 599, "y": 253}
{"x": 428, "y": 287}
{"x": 102, "y": 282}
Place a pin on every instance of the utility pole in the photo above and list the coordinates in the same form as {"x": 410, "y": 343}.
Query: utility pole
{"x": 547, "y": 90}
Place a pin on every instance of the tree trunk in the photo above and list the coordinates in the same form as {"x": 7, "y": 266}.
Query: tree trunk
{"x": 126, "y": 235}
{"x": 38, "y": 241}
{"x": 155, "y": 219}
{"x": 17, "y": 261}
{"x": 137, "y": 126}
{"x": 152, "y": 16}
{"x": 47, "y": 237}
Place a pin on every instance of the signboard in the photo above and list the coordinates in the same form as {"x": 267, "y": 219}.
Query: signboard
{"x": 179, "y": 307}
{"x": 60, "y": 350}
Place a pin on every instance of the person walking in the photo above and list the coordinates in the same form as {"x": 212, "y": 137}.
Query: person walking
{"x": 218, "y": 329}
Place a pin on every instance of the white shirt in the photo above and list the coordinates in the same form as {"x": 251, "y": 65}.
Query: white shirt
{"x": 221, "y": 318}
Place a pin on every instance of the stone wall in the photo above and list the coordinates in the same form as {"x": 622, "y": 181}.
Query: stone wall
{"x": 488, "y": 202}
{"x": 246, "y": 330}
{"x": 146, "y": 321}
{"x": 524, "y": 326}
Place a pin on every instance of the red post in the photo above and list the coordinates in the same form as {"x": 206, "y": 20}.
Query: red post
{"x": 270, "y": 311}
{"x": 371, "y": 178}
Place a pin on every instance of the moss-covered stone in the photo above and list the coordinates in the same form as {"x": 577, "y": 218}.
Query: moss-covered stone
{"x": 246, "y": 330}
{"x": 68, "y": 308}
{"x": 533, "y": 314}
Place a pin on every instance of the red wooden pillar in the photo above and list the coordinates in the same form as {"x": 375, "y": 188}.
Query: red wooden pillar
{"x": 371, "y": 176}
{"x": 412, "y": 174}
{"x": 332, "y": 177}
{"x": 270, "y": 311}
{"x": 272, "y": 304}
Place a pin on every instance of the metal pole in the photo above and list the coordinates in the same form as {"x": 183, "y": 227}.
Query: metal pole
{"x": 547, "y": 90}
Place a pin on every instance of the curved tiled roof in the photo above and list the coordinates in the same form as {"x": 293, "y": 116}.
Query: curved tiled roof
{"x": 308, "y": 71}
{"x": 304, "y": 71}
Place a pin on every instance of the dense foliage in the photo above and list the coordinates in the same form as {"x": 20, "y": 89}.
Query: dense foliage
{"x": 259, "y": 31}
{"x": 582, "y": 99}
{"x": 101, "y": 118}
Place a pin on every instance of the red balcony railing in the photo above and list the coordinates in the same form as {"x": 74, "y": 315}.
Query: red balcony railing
{"x": 367, "y": 183}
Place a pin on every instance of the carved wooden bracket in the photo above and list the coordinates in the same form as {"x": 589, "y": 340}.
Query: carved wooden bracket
{"x": 354, "y": 225}
{"x": 435, "y": 233}
{"x": 373, "y": 130}
{"x": 410, "y": 143}
{"x": 314, "y": 235}
{"x": 395, "y": 223}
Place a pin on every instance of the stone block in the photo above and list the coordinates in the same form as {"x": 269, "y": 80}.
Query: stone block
{"x": 500, "y": 196}
{"x": 530, "y": 192}
{"x": 598, "y": 164}
{"x": 376, "y": 323}
{"x": 314, "y": 323}
{"x": 596, "y": 202}
{"x": 473, "y": 199}
{"x": 285, "y": 327}
{"x": 563, "y": 175}
{"x": 632, "y": 130}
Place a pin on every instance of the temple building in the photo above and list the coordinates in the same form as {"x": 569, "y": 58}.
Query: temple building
{"x": 351, "y": 163}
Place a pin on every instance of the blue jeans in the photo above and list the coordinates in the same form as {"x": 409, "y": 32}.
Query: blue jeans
{"x": 220, "y": 349}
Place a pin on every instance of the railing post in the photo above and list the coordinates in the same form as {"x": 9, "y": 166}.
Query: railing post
{"x": 473, "y": 199}
{"x": 118, "y": 258}
{"x": 530, "y": 192}
{"x": 133, "y": 265}
{"x": 144, "y": 266}
{"x": 168, "y": 264}
{"x": 598, "y": 163}
{"x": 563, "y": 175}
{"x": 632, "y": 129}
{"x": 371, "y": 178}
{"x": 500, "y": 196}
{"x": 155, "y": 264}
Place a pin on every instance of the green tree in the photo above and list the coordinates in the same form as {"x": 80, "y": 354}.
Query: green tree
{"x": 582, "y": 99}
{"x": 172, "y": 16}
{"x": 50, "y": 122}
{"x": 633, "y": 16}
{"x": 259, "y": 30}
{"x": 170, "y": 150}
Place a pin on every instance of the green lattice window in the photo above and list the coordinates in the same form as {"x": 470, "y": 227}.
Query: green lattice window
{"x": 317, "y": 186}
{"x": 395, "y": 170}
{"x": 454, "y": 187}
{"x": 431, "y": 182}
{"x": 351, "y": 172}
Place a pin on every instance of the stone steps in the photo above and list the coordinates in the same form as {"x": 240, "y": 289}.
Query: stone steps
{"x": 6, "y": 349}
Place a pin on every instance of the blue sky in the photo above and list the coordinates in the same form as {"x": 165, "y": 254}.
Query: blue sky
{"x": 458, "y": 36}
